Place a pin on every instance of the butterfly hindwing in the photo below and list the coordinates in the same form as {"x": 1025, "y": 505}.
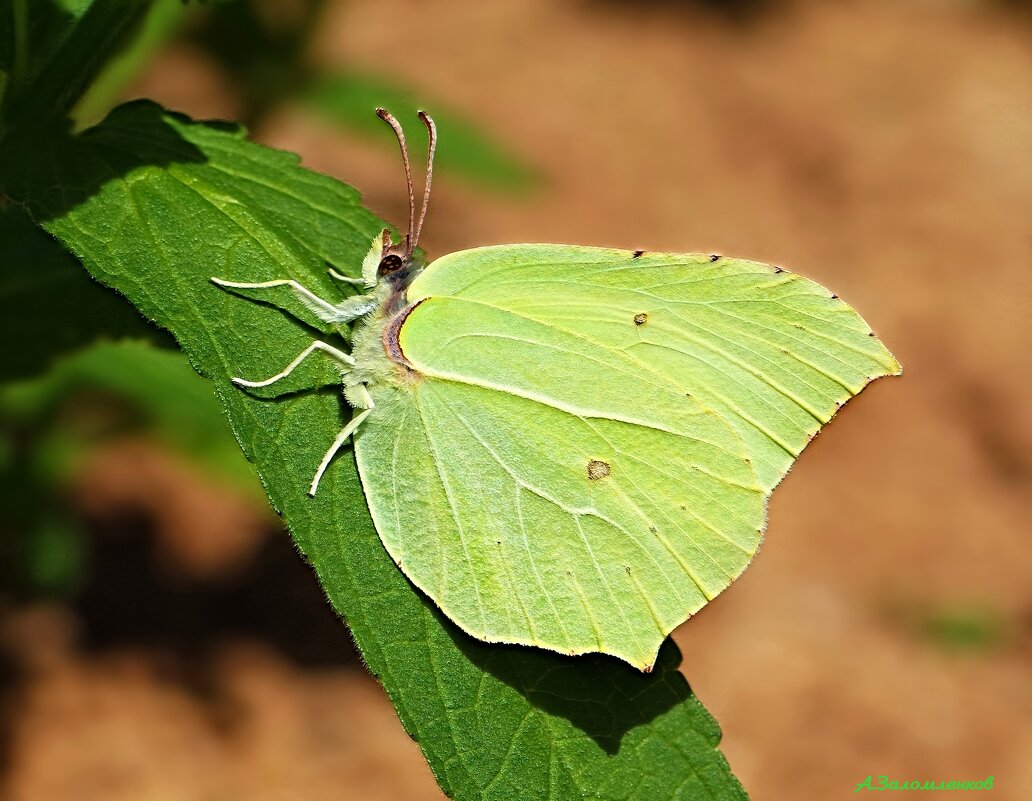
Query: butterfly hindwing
{"x": 528, "y": 523}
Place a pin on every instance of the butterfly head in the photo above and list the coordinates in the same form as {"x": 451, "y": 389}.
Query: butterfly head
{"x": 388, "y": 262}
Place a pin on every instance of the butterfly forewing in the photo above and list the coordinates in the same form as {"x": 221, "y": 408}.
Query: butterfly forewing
{"x": 773, "y": 353}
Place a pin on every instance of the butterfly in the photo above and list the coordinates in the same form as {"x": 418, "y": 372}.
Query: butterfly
{"x": 573, "y": 447}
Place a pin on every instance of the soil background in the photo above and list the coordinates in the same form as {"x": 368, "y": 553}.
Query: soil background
{"x": 880, "y": 148}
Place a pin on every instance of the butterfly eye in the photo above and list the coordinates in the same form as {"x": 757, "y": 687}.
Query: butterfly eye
{"x": 389, "y": 264}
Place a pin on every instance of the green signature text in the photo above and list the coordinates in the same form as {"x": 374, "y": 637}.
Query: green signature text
{"x": 883, "y": 783}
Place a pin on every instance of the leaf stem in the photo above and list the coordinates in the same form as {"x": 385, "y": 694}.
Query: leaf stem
{"x": 20, "y": 12}
{"x": 3, "y": 91}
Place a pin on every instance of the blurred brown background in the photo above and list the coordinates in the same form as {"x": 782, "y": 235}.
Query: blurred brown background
{"x": 881, "y": 148}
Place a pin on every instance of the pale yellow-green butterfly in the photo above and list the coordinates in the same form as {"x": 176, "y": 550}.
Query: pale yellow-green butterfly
{"x": 573, "y": 447}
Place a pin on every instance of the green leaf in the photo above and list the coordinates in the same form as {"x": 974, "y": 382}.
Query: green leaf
{"x": 159, "y": 205}
{"x": 48, "y": 304}
{"x": 348, "y": 98}
{"x": 30, "y": 32}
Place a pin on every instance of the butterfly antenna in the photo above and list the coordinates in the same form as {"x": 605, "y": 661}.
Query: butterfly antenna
{"x": 389, "y": 118}
{"x": 431, "y": 131}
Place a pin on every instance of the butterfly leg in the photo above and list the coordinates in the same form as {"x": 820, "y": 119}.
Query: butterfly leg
{"x": 358, "y": 396}
{"x": 345, "y": 279}
{"x": 340, "y": 356}
{"x": 344, "y": 312}
{"x": 342, "y": 437}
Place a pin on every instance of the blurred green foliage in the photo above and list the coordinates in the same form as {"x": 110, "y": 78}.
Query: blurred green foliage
{"x": 264, "y": 52}
{"x": 962, "y": 627}
{"x": 163, "y": 20}
{"x": 345, "y": 98}
{"x": 129, "y": 387}
{"x": 50, "y": 50}
{"x": 51, "y": 423}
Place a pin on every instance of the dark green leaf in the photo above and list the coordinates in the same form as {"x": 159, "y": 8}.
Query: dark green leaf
{"x": 48, "y": 304}
{"x": 162, "y": 204}
{"x": 53, "y": 55}
{"x": 30, "y": 32}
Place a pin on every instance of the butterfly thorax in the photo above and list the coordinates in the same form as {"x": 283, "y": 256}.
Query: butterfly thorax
{"x": 394, "y": 282}
{"x": 379, "y": 360}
